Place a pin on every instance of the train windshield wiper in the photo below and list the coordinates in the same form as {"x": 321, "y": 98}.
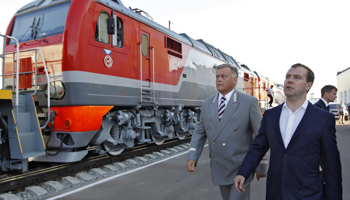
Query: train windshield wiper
{"x": 32, "y": 30}
{"x": 37, "y": 30}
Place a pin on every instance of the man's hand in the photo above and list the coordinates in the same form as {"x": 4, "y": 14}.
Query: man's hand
{"x": 258, "y": 176}
{"x": 190, "y": 165}
{"x": 239, "y": 181}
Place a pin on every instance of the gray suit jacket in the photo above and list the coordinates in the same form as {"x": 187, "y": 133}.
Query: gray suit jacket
{"x": 230, "y": 138}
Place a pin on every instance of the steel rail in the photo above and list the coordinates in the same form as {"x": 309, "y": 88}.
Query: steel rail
{"x": 35, "y": 177}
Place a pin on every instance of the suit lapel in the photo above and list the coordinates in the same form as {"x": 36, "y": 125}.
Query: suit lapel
{"x": 276, "y": 124}
{"x": 214, "y": 115}
{"x": 307, "y": 120}
{"x": 229, "y": 110}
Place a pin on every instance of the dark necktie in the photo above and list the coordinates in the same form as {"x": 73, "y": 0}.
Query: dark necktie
{"x": 222, "y": 106}
{"x": 327, "y": 108}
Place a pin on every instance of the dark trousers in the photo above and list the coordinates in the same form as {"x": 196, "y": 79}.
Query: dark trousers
{"x": 341, "y": 117}
{"x": 271, "y": 99}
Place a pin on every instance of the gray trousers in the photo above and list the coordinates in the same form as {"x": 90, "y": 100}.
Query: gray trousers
{"x": 229, "y": 192}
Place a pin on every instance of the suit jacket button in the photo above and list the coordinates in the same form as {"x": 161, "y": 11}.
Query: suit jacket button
{"x": 235, "y": 129}
{"x": 213, "y": 142}
{"x": 225, "y": 158}
{"x": 213, "y": 156}
{"x": 223, "y": 144}
{"x": 285, "y": 155}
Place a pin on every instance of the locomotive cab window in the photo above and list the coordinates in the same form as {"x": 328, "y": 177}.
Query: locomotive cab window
{"x": 145, "y": 44}
{"x": 118, "y": 33}
{"x": 40, "y": 23}
{"x": 101, "y": 34}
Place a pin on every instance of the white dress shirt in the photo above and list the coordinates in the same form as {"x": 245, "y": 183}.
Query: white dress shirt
{"x": 290, "y": 120}
{"x": 227, "y": 96}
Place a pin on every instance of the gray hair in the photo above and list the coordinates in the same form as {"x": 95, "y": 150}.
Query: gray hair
{"x": 233, "y": 69}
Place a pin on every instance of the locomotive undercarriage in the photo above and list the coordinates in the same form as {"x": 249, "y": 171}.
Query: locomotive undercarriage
{"x": 121, "y": 129}
{"x": 129, "y": 127}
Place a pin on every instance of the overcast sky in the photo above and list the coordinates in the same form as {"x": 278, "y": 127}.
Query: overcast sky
{"x": 268, "y": 36}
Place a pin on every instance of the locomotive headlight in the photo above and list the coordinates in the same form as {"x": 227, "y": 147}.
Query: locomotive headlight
{"x": 57, "y": 90}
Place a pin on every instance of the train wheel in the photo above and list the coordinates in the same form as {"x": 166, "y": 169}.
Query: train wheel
{"x": 158, "y": 140}
{"x": 181, "y": 133}
{"x": 181, "y": 136}
{"x": 113, "y": 149}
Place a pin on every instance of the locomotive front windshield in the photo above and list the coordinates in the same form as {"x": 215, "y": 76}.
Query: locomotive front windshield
{"x": 40, "y": 23}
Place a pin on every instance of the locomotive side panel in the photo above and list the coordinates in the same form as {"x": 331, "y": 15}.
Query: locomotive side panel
{"x": 120, "y": 84}
{"x": 141, "y": 84}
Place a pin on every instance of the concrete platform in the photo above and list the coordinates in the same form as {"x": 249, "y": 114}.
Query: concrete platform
{"x": 165, "y": 179}
{"x": 168, "y": 179}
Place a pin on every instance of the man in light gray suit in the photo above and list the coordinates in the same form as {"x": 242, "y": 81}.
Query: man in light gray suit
{"x": 230, "y": 125}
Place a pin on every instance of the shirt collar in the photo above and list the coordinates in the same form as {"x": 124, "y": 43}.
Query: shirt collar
{"x": 305, "y": 104}
{"x": 227, "y": 96}
{"x": 325, "y": 102}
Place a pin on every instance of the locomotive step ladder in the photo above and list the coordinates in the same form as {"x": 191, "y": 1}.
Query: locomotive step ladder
{"x": 23, "y": 131}
{"x": 147, "y": 96}
{"x": 148, "y": 93}
{"x": 21, "y": 136}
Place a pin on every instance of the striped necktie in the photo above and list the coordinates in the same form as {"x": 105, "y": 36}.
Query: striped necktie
{"x": 222, "y": 107}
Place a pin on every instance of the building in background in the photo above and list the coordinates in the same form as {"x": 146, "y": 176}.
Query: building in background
{"x": 313, "y": 99}
{"x": 343, "y": 85}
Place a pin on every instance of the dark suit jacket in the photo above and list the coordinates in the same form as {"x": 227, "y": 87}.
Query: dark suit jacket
{"x": 294, "y": 172}
{"x": 321, "y": 105}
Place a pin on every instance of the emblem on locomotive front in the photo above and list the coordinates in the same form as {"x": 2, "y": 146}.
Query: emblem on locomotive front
{"x": 108, "y": 61}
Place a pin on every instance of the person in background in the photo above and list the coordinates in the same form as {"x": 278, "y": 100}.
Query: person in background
{"x": 300, "y": 136}
{"x": 328, "y": 94}
{"x": 270, "y": 93}
{"x": 229, "y": 120}
{"x": 341, "y": 112}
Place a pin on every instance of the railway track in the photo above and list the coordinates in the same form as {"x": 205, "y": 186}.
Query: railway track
{"x": 38, "y": 175}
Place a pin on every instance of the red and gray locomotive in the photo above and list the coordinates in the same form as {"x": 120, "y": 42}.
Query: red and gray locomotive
{"x": 99, "y": 74}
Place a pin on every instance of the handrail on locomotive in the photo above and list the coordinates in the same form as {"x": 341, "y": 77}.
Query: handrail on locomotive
{"x": 16, "y": 75}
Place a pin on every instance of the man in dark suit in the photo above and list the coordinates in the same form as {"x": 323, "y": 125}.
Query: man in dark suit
{"x": 230, "y": 125}
{"x": 328, "y": 94}
{"x": 300, "y": 137}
